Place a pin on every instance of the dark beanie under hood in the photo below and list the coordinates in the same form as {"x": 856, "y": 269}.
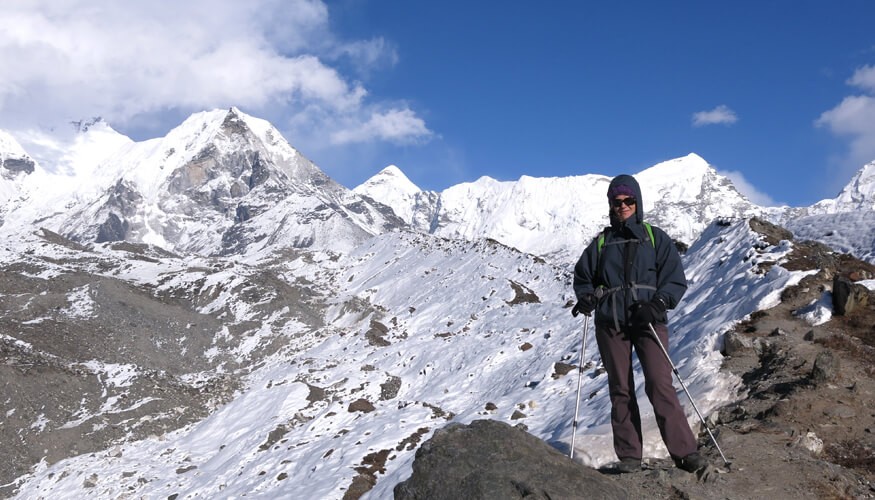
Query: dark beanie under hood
{"x": 626, "y": 185}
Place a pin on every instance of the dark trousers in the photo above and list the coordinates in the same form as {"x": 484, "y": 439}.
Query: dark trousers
{"x": 615, "y": 348}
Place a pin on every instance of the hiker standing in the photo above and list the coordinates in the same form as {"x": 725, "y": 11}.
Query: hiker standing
{"x": 629, "y": 276}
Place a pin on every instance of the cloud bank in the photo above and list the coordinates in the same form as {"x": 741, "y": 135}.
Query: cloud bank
{"x": 128, "y": 61}
{"x": 721, "y": 115}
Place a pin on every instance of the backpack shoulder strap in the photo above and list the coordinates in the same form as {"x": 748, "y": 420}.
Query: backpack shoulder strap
{"x": 650, "y": 233}
{"x": 600, "y": 264}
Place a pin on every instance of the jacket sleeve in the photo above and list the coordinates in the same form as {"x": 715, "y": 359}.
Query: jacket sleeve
{"x": 671, "y": 282}
{"x": 585, "y": 269}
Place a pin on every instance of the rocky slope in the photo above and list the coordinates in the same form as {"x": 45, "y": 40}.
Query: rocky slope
{"x": 105, "y": 345}
{"x": 803, "y": 427}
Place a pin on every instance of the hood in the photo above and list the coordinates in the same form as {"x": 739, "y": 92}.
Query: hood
{"x": 630, "y": 182}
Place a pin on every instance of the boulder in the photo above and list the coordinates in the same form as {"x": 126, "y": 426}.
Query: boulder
{"x": 491, "y": 459}
{"x": 848, "y": 296}
{"x": 826, "y": 367}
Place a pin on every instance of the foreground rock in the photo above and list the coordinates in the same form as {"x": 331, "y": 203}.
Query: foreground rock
{"x": 490, "y": 459}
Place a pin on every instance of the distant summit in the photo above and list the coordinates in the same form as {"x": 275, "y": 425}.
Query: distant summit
{"x": 557, "y": 216}
{"x": 391, "y": 187}
{"x": 859, "y": 193}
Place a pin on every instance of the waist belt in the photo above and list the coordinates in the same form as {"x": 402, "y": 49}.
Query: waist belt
{"x": 603, "y": 291}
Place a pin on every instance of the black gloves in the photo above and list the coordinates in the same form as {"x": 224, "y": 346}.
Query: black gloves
{"x": 585, "y": 305}
{"x": 644, "y": 313}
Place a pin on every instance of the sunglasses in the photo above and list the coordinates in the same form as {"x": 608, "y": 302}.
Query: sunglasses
{"x": 625, "y": 201}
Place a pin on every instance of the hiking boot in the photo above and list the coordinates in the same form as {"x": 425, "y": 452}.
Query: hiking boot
{"x": 692, "y": 462}
{"x": 628, "y": 465}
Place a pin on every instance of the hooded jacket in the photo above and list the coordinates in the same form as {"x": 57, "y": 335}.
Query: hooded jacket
{"x": 633, "y": 269}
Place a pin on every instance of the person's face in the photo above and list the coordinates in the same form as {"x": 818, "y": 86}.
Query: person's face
{"x": 623, "y": 206}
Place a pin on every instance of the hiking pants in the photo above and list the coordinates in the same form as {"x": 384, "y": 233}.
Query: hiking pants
{"x": 615, "y": 348}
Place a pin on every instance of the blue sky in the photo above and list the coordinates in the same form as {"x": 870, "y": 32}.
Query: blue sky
{"x": 779, "y": 94}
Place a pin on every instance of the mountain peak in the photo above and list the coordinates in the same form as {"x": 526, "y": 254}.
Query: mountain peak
{"x": 390, "y": 180}
{"x": 860, "y": 191}
{"x": 692, "y": 164}
{"x": 392, "y": 188}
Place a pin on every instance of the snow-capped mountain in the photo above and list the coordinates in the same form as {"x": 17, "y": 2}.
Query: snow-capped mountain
{"x": 858, "y": 194}
{"x": 558, "y": 216}
{"x": 222, "y": 182}
{"x": 392, "y": 188}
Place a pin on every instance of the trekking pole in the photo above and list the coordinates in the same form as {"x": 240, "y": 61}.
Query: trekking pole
{"x": 678, "y": 375}
{"x": 579, "y": 377}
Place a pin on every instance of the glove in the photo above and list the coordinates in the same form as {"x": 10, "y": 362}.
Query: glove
{"x": 650, "y": 312}
{"x": 585, "y": 305}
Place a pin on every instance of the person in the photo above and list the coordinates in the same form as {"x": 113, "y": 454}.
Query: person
{"x": 629, "y": 277}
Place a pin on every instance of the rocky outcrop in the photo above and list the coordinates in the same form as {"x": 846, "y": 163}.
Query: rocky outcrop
{"x": 491, "y": 459}
{"x": 848, "y": 296}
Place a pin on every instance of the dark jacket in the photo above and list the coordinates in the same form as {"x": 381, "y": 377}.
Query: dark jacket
{"x": 654, "y": 269}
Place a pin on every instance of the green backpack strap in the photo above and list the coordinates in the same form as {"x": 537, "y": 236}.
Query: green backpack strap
{"x": 650, "y": 234}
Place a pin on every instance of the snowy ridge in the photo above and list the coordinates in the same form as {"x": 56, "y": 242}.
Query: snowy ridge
{"x": 850, "y": 232}
{"x": 858, "y": 194}
{"x": 556, "y": 216}
{"x": 71, "y": 169}
{"x": 400, "y": 335}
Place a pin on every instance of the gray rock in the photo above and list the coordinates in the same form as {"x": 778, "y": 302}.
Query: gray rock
{"x": 733, "y": 343}
{"x": 848, "y": 296}
{"x": 113, "y": 229}
{"x": 826, "y": 367}
{"x": 490, "y": 459}
{"x": 16, "y": 165}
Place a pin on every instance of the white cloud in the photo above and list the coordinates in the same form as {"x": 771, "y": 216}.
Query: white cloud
{"x": 854, "y": 119}
{"x": 719, "y": 115}
{"x": 749, "y": 191}
{"x": 126, "y": 61}
{"x": 394, "y": 125}
{"x": 864, "y": 78}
